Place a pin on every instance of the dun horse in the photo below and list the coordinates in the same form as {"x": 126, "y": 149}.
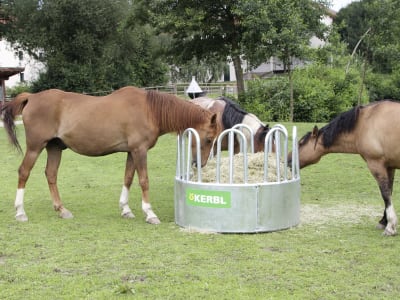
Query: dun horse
{"x": 373, "y": 131}
{"x": 128, "y": 120}
{"x": 230, "y": 114}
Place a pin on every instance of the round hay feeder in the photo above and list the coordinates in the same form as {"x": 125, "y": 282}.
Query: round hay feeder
{"x": 238, "y": 204}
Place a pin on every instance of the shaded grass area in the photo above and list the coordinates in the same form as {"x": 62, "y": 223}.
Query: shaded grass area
{"x": 99, "y": 255}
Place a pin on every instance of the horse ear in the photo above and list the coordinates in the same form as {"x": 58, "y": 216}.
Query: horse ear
{"x": 265, "y": 131}
{"x": 262, "y": 133}
{"x": 315, "y": 131}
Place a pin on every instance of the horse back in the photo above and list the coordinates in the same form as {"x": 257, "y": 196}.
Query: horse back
{"x": 90, "y": 125}
{"x": 58, "y": 106}
{"x": 382, "y": 116}
{"x": 212, "y": 105}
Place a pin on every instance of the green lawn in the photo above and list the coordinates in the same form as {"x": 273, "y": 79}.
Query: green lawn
{"x": 335, "y": 253}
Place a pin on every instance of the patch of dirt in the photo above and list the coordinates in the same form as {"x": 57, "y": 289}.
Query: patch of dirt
{"x": 314, "y": 214}
{"x": 195, "y": 230}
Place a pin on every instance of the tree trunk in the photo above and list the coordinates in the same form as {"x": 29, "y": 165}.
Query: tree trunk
{"x": 364, "y": 68}
{"x": 237, "y": 63}
{"x": 291, "y": 113}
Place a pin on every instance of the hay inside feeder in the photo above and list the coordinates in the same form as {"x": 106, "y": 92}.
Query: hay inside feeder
{"x": 255, "y": 169}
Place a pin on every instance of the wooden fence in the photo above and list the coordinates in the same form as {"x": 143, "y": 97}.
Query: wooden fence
{"x": 210, "y": 89}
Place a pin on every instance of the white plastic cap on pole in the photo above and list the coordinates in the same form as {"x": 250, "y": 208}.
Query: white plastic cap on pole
{"x": 194, "y": 87}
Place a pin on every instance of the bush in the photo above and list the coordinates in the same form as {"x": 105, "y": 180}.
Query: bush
{"x": 268, "y": 98}
{"x": 320, "y": 93}
{"x": 324, "y": 92}
{"x": 384, "y": 86}
{"x": 18, "y": 89}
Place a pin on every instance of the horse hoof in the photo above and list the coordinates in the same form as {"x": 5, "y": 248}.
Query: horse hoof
{"x": 66, "y": 214}
{"x": 21, "y": 218}
{"x": 128, "y": 215}
{"x": 389, "y": 232}
{"x": 153, "y": 221}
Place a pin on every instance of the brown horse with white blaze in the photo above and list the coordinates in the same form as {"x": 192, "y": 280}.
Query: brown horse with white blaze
{"x": 128, "y": 120}
{"x": 373, "y": 131}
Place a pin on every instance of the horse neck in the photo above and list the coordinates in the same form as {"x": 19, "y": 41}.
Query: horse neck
{"x": 344, "y": 143}
{"x": 232, "y": 115}
{"x": 176, "y": 115}
{"x": 253, "y": 122}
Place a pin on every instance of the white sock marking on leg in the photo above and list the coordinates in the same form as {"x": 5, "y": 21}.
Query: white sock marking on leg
{"x": 123, "y": 201}
{"x": 148, "y": 211}
{"x": 19, "y": 202}
{"x": 391, "y": 215}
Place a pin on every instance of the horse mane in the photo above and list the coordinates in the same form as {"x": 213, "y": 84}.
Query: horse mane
{"x": 343, "y": 123}
{"x": 171, "y": 113}
{"x": 233, "y": 114}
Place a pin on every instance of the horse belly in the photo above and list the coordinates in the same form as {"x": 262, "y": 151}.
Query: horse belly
{"x": 384, "y": 149}
{"x": 95, "y": 147}
{"x": 392, "y": 157}
{"x": 93, "y": 140}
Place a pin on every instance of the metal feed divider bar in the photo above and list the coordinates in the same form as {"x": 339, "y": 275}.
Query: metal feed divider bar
{"x": 187, "y": 135}
{"x": 276, "y": 133}
{"x": 272, "y": 137}
{"x": 186, "y": 139}
{"x": 247, "y": 127}
{"x": 295, "y": 155}
{"x": 243, "y": 144}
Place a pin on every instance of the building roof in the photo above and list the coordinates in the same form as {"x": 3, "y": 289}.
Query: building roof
{"x": 6, "y": 72}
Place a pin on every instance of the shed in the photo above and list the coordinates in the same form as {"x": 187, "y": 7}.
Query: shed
{"x": 5, "y": 73}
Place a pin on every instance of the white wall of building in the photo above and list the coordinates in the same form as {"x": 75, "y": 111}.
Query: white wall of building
{"x": 10, "y": 58}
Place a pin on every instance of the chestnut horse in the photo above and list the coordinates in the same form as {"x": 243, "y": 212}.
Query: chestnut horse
{"x": 128, "y": 120}
{"x": 231, "y": 114}
{"x": 373, "y": 131}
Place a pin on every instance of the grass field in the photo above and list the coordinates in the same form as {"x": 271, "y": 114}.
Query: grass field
{"x": 335, "y": 253}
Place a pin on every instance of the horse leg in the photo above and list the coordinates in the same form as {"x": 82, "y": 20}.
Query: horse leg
{"x": 384, "y": 177}
{"x": 23, "y": 174}
{"x": 383, "y": 222}
{"x": 53, "y": 163}
{"x": 141, "y": 167}
{"x": 123, "y": 199}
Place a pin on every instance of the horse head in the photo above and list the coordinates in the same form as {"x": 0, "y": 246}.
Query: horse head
{"x": 310, "y": 152}
{"x": 208, "y": 132}
{"x": 259, "y": 138}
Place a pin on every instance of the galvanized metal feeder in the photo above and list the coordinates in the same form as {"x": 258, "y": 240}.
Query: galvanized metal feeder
{"x": 238, "y": 207}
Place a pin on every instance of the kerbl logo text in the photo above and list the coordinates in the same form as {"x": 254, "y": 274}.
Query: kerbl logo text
{"x": 214, "y": 199}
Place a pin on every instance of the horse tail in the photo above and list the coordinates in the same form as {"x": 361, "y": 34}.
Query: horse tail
{"x": 9, "y": 111}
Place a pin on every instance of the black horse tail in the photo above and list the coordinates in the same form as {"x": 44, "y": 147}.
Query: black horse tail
{"x": 9, "y": 111}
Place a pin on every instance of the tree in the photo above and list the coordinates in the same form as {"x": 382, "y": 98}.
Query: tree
{"x": 381, "y": 47}
{"x": 293, "y": 24}
{"x": 3, "y": 18}
{"x": 227, "y": 29}
{"x": 370, "y": 28}
{"x": 204, "y": 71}
{"x": 86, "y": 46}
{"x": 204, "y": 30}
